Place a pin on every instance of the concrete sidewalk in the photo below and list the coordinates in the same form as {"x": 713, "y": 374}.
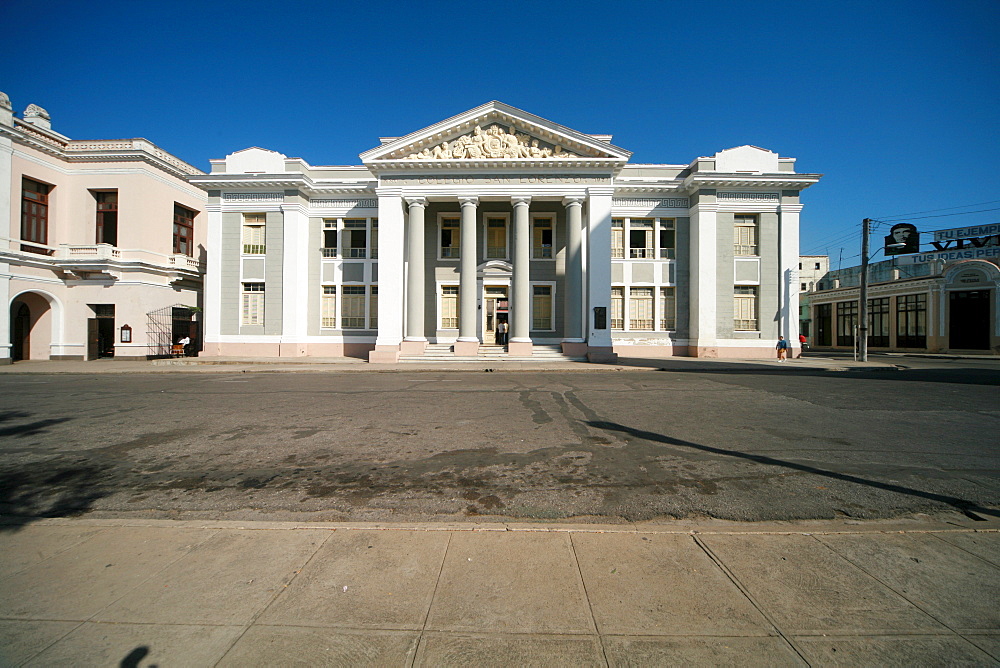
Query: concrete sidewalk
{"x": 118, "y": 592}
{"x": 347, "y": 364}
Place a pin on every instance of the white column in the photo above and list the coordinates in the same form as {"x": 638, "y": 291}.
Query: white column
{"x": 467, "y": 297}
{"x": 415, "y": 271}
{"x": 598, "y": 271}
{"x": 573, "y": 305}
{"x": 704, "y": 292}
{"x": 788, "y": 262}
{"x": 213, "y": 281}
{"x": 519, "y": 342}
{"x": 390, "y": 275}
{"x": 294, "y": 281}
{"x": 6, "y": 183}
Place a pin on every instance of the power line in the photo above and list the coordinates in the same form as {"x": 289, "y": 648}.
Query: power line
{"x": 940, "y": 215}
{"x": 947, "y": 208}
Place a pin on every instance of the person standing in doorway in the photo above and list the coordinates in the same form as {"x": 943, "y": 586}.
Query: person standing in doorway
{"x": 782, "y": 348}
{"x": 502, "y": 332}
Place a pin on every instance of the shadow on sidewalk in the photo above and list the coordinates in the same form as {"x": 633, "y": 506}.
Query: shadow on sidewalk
{"x": 965, "y": 507}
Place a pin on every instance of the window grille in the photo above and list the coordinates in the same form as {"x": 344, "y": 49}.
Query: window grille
{"x": 911, "y": 321}
{"x": 253, "y": 233}
{"x": 542, "y": 238}
{"x": 328, "y": 306}
{"x": 449, "y": 307}
{"x": 847, "y": 322}
{"x": 640, "y": 237}
{"x": 253, "y": 304}
{"x": 450, "y": 237}
{"x": 352, "y": 307}
{"x": 373, "y": 308}
{"x": 641, "y": 309}
{"x": 183, "y": 230}
{"x": 617, "y": 237}
{"x": 668, "y": 309}
{"x": 541, "y": 307}
{"x": 745, "y": 234}
{"x": 618, "y": 308}
{"x": 496, "y": 238}
{"x": 745, "y": 308}
{"x": 668, "y": 242}
{"x": 356, "y": 238}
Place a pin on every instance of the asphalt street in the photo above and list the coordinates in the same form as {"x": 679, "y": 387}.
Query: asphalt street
{"x": 689, "y": 440}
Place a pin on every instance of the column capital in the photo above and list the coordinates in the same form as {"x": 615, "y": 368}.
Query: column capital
{"x": 518, "y": 200}
{"x": 468, "y": 200}
{"x": 416, "y": 200}
{"x": 571, "y": 200}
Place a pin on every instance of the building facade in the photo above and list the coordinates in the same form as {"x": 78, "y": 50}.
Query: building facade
{"x": 937, "y": 306}
{"x": 104, "y": 244}
{"x": 812, "y": 269}
{"x": 499, "y": 216}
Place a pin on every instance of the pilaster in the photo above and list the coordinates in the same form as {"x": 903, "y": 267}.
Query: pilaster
{"x": 788, "y": 262}
{"x": 704, "y": 288}
{"x": 213, "y": 279}
{"x": 390, "y": 275}
{"x": 294, "y": 281}
{"x": 598, "y": 271}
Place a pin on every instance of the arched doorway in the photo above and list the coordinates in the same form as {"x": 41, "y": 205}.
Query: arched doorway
{"x": 20, "y": 331}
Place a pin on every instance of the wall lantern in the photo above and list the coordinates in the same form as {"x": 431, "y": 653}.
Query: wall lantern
{"x": 126, "y": 334}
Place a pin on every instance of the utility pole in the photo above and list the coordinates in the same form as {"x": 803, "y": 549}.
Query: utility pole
{"x": 863, "y": 297}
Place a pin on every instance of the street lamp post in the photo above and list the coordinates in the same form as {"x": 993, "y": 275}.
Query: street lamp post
{"x": 863, "y": 296}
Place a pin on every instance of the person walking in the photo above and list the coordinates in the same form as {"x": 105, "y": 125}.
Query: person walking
{"x": 782, "y": 348}
{"x": 803, "y": 344}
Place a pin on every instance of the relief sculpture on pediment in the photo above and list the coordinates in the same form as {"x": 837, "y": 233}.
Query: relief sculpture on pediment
{"x": 493, "y": 142}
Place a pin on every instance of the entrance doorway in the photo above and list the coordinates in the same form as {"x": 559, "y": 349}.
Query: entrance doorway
{"x": 496, "y": 311}
{"x": 101, "y": 332}
{"x": 969, "y": 320}
{"x": 20, "y": 332}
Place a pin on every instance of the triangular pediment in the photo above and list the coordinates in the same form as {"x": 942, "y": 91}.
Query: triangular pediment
{"x": 496, "y": 133}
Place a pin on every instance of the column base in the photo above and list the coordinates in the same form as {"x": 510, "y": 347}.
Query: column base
{"x": 384, "y": 355}
{"x": 705, "y": 351}
{"x": 413, "y": 347}
{"x": 466, "y": 348}
{"x": 520, "y": 348}
{"x": 601, "y": 355}
{"x": 575, "y": 348}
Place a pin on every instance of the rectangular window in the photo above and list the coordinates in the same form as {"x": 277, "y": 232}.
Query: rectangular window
{"x": 253, "y": 233}
{"x": 449, "y": 307}
{"x": 352, "y": 307}
{"x": 253, "y": 304}
{"x": 745, "y": 234}
{"x": 745, "y": 308}
{"x": 450, "y": 237}
{"x": 541, "y": 307}
{"x": 107, "y": 217}
{"x": 373, "y": 307}
{"x": 640, "y": 239}
{"x": 641, "y": 309}
{"x": 911, "y": 321}
{"x": 668, "y": 240}
{"x": 35, "y": 215}
{"x": 541, "y": 238}
{"x": 878, "y": 322}
{"x": 355, "y": 238}
{"x": 328, "y": 307}
{"x": 617, "y": 237}
{"x": 329, "y": 238}
{"x": 668, "y": 309}
{"x": 618, "y": 308}
{"x": 374, "y": 253}
{"x": 184, "y": 230}
{"x": 496, "y": 238}
{"x": 847, "y": 322}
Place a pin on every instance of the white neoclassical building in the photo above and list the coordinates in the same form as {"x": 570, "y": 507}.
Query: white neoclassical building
{"x": 493, "y": 219}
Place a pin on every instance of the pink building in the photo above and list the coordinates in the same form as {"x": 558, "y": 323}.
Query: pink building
{"x": 102, "y": 244}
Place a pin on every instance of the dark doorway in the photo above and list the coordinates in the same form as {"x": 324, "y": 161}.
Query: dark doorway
{"x": 101, "y": 332}
{"x": 969, "y": 320}
{"x": 20, "y": 332}
{"x": 824, "y": 325}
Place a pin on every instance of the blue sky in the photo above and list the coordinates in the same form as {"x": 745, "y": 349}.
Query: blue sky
{"x": 895, "y": 102}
